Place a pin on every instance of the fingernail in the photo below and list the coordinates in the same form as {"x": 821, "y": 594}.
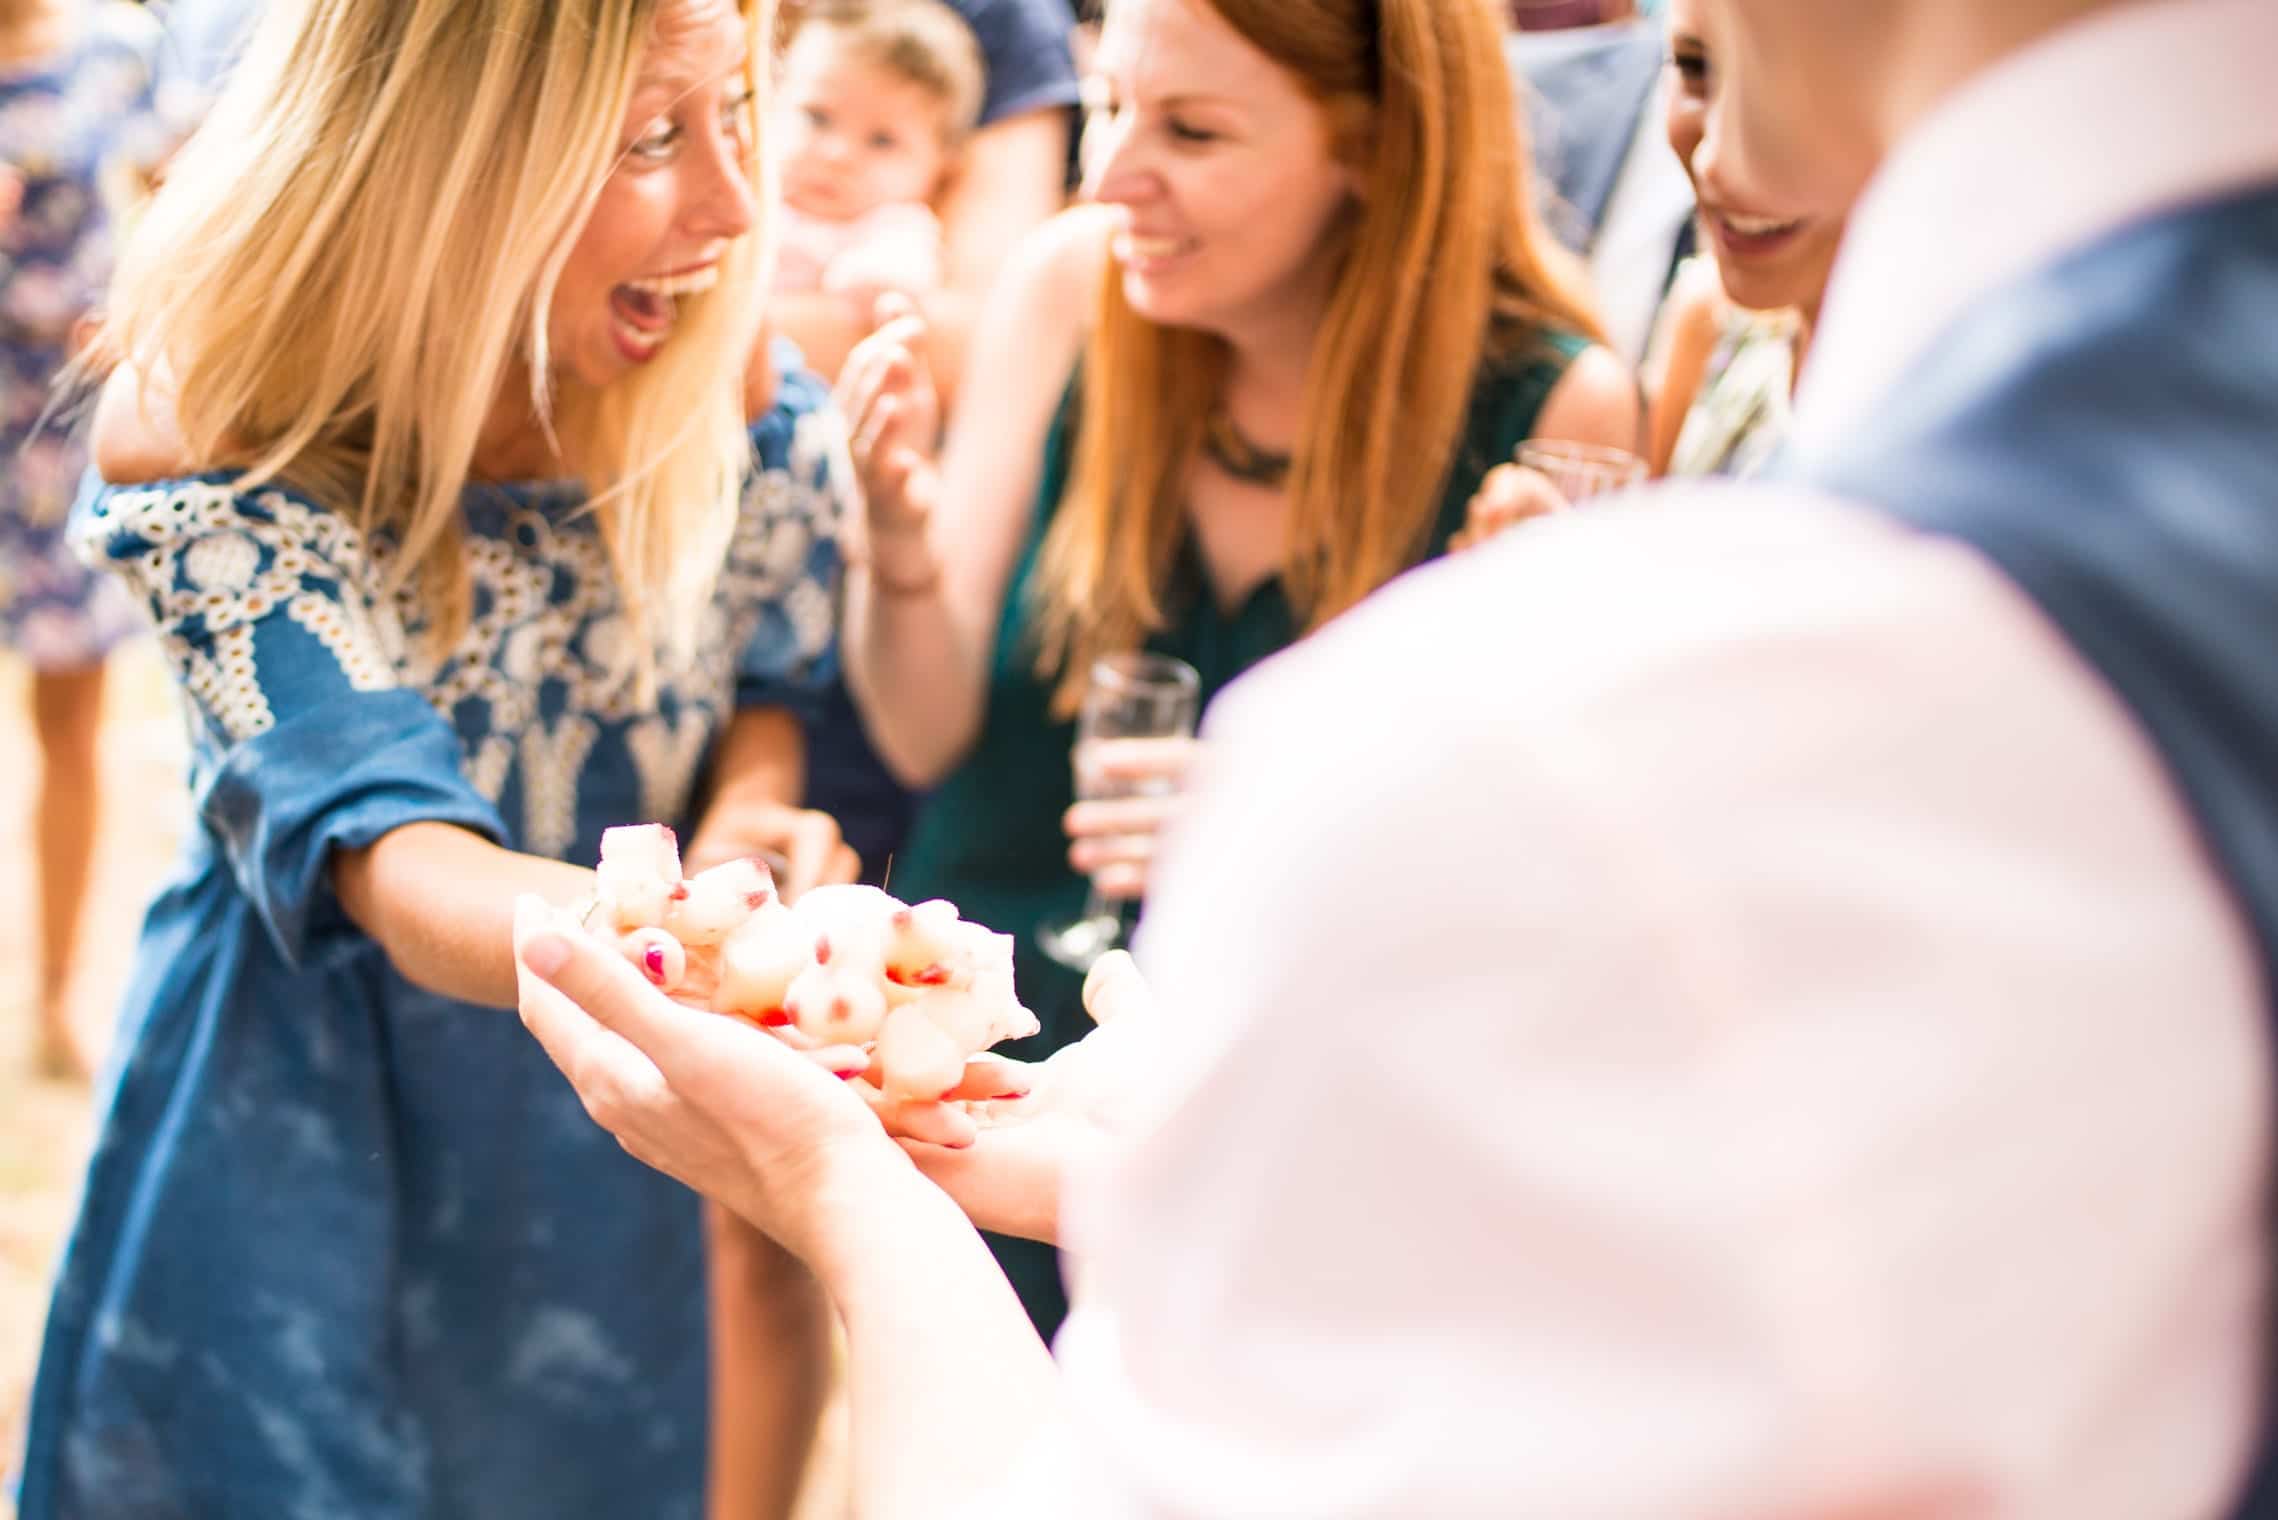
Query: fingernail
{"x": 849, "y": 1074}
{"x": 546, "y": 954}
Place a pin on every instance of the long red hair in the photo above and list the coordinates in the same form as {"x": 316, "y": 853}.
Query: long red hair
{"x": 1445, "y": 267}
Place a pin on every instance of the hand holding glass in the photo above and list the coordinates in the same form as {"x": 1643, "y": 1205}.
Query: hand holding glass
{"x": 1130, "y": 696}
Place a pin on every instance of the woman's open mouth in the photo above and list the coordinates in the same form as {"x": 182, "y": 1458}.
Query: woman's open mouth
{"x": 1753, "y": 237}
{"x": 643, "y": 312}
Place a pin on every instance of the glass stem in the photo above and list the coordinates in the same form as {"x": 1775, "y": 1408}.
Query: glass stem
{"x": 1098, "y": 906}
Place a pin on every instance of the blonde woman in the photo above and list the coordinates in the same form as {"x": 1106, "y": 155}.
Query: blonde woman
{"x": 433, "y": 455}
{"x": 1313, "y": 309}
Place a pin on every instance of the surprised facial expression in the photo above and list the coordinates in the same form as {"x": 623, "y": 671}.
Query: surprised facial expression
{"x": 681, "y": 192}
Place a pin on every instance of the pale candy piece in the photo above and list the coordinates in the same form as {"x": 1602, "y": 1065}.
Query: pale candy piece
{"x": 711, "y": 905}
{"x": 759, "y": 962}
{"x": 922, "y": 944}
{"x": 967, "y": 1021}
{"x": 988, "y": 965}
{"x": 659, "y": 957}
{"x": 915, "y": 1057}
{"x": 837, "y": 1004}
{"x": 849, "y": 925}
{"x": 983, "y": 957}
{"x": 640, "y": 867}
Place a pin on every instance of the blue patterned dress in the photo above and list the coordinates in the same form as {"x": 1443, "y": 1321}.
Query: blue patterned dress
{"x": 347, "y": 1248}
{"x": 61, "y": 122}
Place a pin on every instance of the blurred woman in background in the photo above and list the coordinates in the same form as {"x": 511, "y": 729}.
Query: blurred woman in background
{"x": 1263, "y": 376}
{"x": 75, "y": 98}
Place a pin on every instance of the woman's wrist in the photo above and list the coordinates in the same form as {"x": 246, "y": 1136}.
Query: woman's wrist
{"x": 868, "y": 1211}
{"x": 909, "y": 567}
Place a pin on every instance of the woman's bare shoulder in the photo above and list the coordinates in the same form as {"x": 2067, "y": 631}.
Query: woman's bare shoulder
{"x": 137, "y": 438}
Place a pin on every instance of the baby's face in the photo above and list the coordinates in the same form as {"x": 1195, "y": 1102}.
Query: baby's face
{"x": 852, "y": 136}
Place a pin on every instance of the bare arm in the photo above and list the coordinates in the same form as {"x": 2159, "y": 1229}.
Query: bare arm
{"x": 928, "y": 586}
{"x": 440, "y": 901}
{"x": 944, "y": 1374}
{"x": 1009, "y": 186}
{"x": 1595, "y": 401}
{"x": 770, "y": 1323}
{"x": 943, "y": 1368}
{"x": 1696, "y": 318}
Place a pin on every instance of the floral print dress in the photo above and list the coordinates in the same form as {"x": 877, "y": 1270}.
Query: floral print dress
{"x": 62, "y": 122}
{"x": 347, "y": 1247}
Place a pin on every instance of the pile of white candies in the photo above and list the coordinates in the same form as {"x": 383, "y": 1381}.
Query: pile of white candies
{"x": 916, "y": 986}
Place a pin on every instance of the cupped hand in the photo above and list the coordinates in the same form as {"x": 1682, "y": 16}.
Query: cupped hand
{"x": 741, "y": 1117}
{"x": 1079, "y": 1102}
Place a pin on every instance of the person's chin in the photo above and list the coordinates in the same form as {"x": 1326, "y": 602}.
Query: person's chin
{"x": 1159, "y": 301}
{"x": 599, "y": 364}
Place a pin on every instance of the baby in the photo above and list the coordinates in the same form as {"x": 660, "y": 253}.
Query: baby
{"x": 875, "y": 102}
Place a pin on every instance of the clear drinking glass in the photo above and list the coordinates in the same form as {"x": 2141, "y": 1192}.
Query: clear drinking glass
{"x": 1583, "y": 470}
{"x": 1130, "y": 696}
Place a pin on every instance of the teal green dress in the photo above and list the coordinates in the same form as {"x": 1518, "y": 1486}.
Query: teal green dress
{"x": 989, "y": 838}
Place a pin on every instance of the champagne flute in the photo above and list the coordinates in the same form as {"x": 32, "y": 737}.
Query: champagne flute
{"x": 1130, "y": 696}
{"x": 1583, "y": 470}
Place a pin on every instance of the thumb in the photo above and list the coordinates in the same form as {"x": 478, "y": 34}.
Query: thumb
{"x": 1115, "y": 989}
{"x": 603, "y": 984}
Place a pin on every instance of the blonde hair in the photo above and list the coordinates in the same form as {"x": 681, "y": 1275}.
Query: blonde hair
{"x": 922, "y": 41}
{"x": 349, "y": 258}
{"x": 1445, "y": 267}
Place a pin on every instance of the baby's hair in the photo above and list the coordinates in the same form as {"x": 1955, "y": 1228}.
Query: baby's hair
{"x": 923, "y": 41}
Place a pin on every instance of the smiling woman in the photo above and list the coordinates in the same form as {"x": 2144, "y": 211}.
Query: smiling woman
{"x": 474, "y": 518}
{"x": 1264, "y": 375}
{"x": 1741, "y": 324}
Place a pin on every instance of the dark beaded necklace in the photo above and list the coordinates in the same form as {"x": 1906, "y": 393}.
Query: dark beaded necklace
{"x": 1239, "y": 457}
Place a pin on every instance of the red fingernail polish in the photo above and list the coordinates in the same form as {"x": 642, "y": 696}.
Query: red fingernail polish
{"x": 652, "y": 961}
{"x": 848, "y": 1075}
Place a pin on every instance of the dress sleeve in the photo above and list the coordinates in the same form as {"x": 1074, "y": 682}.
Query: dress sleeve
{"x": 1024, "y": 45}
{"x": 785, "y": 566}
{"x": 306, "y": 741}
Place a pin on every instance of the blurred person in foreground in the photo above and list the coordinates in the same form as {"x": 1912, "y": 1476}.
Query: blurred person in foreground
{"x": 1789, "y": 1031}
